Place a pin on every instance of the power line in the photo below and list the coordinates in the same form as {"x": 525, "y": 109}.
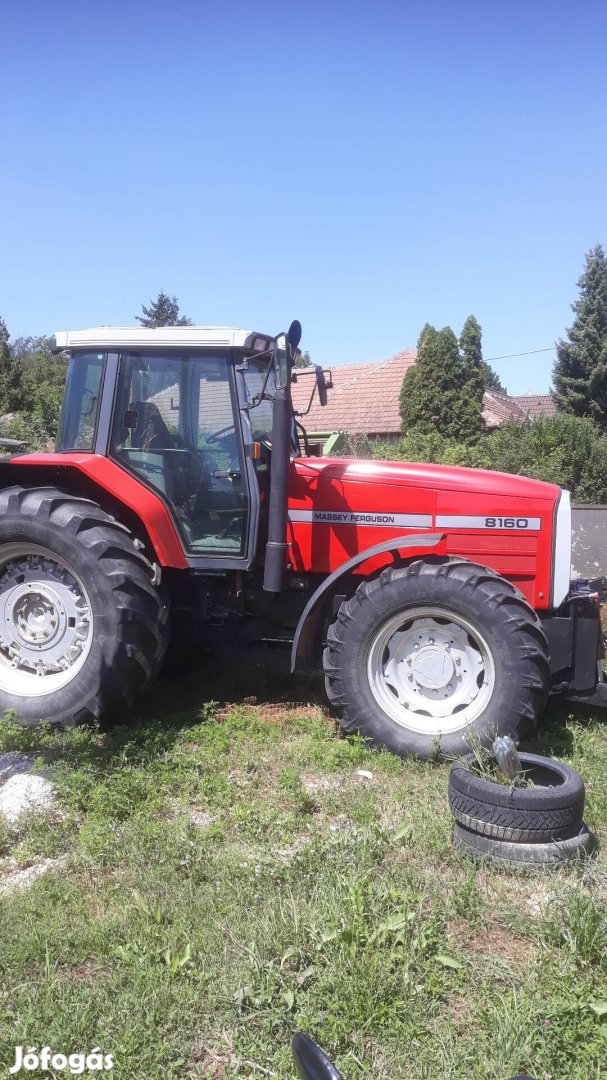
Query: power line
{"x": 509, "y": 356}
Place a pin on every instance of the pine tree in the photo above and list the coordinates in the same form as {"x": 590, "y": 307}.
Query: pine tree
{"x": 163, "y": 311}
{"x": 302, "y": 359}
{"x": 580, "y": 368}
{"x": 443, "y": 390}
{"x": 470, "y": 342}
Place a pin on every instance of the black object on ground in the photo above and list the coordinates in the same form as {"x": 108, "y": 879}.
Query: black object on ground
{"x": 311, "y": 1062}
{"x": 551, "y": 809}
{"x": 558, "y": 851}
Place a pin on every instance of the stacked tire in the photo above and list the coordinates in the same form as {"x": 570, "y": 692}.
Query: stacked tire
{"x": 541, "y": 822}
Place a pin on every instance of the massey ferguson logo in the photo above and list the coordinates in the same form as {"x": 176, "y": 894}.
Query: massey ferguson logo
{"x": 348, "y": 518}
{"x": 363, "y": 518}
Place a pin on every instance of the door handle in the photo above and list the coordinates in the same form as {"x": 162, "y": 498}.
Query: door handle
{"x": 227, "y": 474}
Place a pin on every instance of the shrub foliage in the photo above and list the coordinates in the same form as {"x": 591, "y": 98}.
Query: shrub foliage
{"x": 566, "y": 450}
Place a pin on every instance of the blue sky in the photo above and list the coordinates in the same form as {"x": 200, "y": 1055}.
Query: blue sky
{"x": 364, "y": 167}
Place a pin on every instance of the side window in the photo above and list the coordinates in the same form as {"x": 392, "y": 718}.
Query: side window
{"x": 81, "y": 399}
{"x": 149, "y": 415}
{"x": 216, "y": 435}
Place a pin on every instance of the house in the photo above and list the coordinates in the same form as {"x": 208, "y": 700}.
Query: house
{"x": 365, "y": 400}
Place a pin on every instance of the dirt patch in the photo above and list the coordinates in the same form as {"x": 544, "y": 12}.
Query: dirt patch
{"x": 313, "y": 782}
{"x": 208, "y": 1065}
{"x": 461, "y": 1012}
{"x": 15, "y": 878}
{"x": 200, "y": 818}
{"x": 87, "y": 972}
{"x": 493, "y": 940}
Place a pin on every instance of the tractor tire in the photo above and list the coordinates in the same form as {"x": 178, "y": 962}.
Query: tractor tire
{"x": 573, "y": 848}
{"x": 425, "y": 657}
{"x": 83, "y": 625}
{"x": 553, "y": 809}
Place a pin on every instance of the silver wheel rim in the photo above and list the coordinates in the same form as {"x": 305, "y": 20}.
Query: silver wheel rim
{"x": 46, "y": 621}
{"x": 430, "y": 670}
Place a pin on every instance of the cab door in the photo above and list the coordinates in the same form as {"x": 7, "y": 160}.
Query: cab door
{"x": 176, "y": 425}
{"x": 219, "y": 517}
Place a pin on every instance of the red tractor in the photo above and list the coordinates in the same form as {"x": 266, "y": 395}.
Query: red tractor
{"x": 436, "y": 599}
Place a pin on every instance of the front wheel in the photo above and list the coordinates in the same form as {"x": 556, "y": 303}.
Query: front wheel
{"x": 424, "y": 658}
{"x": 82, "y": 622}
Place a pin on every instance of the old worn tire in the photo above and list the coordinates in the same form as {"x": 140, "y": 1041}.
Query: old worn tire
{"x": 472, "y": 623}
{"x": 553, "y": 809}
{"x": 572, "y": 849}
{"x": 65, "y": 554}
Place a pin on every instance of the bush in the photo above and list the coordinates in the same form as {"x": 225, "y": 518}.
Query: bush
{"x": 566, "y": 450}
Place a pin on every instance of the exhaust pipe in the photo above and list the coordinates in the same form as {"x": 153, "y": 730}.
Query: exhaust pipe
{"x": 276, "y": 547}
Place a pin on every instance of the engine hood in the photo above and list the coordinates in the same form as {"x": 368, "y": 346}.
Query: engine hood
{"x": 430, "y": 477}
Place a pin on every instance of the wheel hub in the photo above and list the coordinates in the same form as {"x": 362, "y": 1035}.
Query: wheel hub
{"x": 432, "y": 667}
{"x": 37, "y": 614}
{"x": 45, "y": 621}
{"x": 430, "y": 671}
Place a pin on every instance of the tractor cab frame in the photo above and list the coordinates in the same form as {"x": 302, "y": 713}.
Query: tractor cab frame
{"x": 191, "y": 418}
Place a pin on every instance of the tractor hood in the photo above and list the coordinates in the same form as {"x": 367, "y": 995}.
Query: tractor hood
{"x": 520, "y": 528}
{"x": 428, "y": 477}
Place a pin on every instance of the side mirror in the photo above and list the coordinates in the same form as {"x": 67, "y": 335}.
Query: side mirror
{"x": 322, "y": 384}
{"x": 310, "y": 1061}
{"x": 281, "y": 361}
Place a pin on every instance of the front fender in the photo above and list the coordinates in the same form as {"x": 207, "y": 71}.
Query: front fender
{"x": 313, "y": 614}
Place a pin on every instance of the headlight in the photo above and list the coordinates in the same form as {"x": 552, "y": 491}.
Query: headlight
{"x": 561, "y": 550}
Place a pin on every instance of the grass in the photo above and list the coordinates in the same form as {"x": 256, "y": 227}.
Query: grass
{"x": 228, "y": 877}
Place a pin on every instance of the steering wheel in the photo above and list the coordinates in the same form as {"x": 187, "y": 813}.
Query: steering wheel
{"x": 215, "y": 436}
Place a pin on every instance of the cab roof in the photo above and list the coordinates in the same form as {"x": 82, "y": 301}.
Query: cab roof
{"x": 108, "y": 337}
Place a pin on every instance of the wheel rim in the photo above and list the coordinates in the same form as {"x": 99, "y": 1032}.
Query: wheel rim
{"x": 430, "y": 670}
{"x": 46, "y": 621}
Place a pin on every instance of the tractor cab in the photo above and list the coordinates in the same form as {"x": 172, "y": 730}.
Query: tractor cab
{"x": 189, "y": 412}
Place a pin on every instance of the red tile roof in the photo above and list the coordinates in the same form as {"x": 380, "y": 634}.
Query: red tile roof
{"x": 365, "y": 398}
{"x": 499, "y": 408}
{"x": 536, "y": 405}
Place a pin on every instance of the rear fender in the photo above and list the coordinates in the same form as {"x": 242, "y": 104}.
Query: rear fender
{"x": 95, "y": 477}
{"x": 403, "y": 548}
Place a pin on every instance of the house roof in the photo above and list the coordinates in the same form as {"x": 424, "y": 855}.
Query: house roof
{"x": 365, "y": 399}
{"x": 499, "y": 408}
{"x": 536, "y": 405}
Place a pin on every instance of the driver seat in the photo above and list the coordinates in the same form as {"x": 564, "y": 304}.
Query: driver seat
{"x": 150, "y": 432}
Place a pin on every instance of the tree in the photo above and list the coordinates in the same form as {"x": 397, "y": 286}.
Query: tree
{"x": 443, "y": 390}
{"x": 43, "y": 381}
{"x": 163, "y": 311}
{"x": 302, "y": 360}
{"x": 11, "y": 381}
{"x": 470, "y": 343}
{"x": 580, "y": 368}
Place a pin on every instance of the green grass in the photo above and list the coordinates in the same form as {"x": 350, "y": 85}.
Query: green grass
{"x": 228, "y": 878}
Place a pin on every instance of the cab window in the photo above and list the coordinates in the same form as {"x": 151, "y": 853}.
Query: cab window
{"x": 80, "y": 409}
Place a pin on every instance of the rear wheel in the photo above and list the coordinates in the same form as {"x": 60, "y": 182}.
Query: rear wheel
{"x": 82, "y": 624}
{"x": 424, "y": 657}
